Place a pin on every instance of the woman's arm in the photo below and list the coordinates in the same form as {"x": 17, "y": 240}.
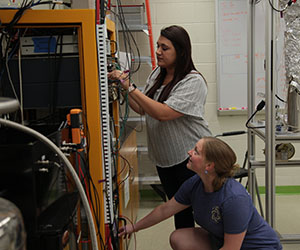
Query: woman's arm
{"x": 142, "y": 104}
{"x": 157, "y": 110}
{"x": 135, "y": 106}
{"x": 233, "y": 241}
{"x": 157, "y": 215}
{"x": 123, "y": 77}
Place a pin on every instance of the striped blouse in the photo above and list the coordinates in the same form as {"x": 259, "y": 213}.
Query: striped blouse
{"x": 169, "y": 141}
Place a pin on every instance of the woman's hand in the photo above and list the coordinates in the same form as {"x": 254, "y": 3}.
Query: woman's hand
{"x": 121, "y": 76}
{"x": 126, "y": 231}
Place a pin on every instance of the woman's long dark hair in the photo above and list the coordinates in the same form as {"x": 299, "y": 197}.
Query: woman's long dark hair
{"x": 184, "y": 63}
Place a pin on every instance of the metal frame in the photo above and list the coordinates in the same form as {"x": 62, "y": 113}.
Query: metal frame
{"x": 267, "y": 134}
{"x": 84, "y": 21}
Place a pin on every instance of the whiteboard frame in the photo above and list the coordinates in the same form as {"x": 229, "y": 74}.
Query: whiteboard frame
{"x": 221, "y": 96}
{"x": 229, "y": 111}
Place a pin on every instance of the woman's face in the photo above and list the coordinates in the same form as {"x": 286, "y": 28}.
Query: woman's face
{"x": 197, "y": 161}
{"x": 165, "y": 53}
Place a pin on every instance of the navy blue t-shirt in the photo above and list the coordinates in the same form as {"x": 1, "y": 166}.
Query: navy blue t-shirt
{"x": 229, "y": 210}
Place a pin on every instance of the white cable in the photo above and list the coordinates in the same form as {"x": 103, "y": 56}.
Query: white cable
{"x": 53, "y": 147}
{"x": 9, "y": 78}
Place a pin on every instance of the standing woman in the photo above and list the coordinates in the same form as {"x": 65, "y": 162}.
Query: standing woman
{"x": 173, "y": 103}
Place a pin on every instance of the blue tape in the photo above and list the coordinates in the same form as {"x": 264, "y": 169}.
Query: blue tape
{"x": 44, "y": 44}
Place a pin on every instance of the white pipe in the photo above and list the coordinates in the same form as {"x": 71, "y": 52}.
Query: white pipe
{"x": 53, "y": 147}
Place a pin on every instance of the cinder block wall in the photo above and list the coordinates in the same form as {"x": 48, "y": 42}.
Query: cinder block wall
{"x": 198, "y": 18}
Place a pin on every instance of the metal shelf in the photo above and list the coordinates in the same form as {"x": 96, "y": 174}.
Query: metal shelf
{"x": 268, "y": 133}
{"x": 279, "y": 163}
{"x": 280, "y": 137}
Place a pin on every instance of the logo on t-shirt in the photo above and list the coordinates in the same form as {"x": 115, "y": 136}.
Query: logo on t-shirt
{"x": 215, "y": 214}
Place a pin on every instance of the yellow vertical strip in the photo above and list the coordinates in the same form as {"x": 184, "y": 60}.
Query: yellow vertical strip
{"x": 91, "y": 103}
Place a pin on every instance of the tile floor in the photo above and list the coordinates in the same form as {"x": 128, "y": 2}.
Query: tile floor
{"x": 157, "y": 237}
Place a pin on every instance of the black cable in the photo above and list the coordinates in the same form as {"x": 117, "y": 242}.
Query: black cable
{"x": 9, "y": 32}
{"x": 12, "y": 46}
{"x": 130, "y": 169}
{"x": 285, "y": 7}
{"x": 128, "y": 37}
{"x": 25, "y": 6}
{"x": 280, "y": 99}
{"x": 95, "y": 203}
{"x": 259, "y": 107}
{"x": 114, "y": 221}
{"x": 51, "y": 76}
{"x": 125, "y": 32}
{"x": 103, "y": 9}
{"x": 56, "y": 73}
{"x": 124, "y": 29}
{"x": 115, "y": 155}
{"x": 125, "y": 223}
{"x": 95, "y": 206}
{"x": 124, "y": 120}
{"x": 115, "y": 194}
{"x": 239, "y": 132}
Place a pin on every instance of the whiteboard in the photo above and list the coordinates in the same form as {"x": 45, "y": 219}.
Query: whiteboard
{"x": 231, "y": 41}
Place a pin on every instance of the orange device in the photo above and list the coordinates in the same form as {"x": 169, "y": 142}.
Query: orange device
{"x": 74, "y": 119}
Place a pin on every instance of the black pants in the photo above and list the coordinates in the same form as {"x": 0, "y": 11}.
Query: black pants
{"x": 171, "y": 179}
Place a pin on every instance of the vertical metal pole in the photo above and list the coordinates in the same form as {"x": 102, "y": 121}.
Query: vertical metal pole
{"x": 251, "y": 94}
{"x": 270, "y": 121}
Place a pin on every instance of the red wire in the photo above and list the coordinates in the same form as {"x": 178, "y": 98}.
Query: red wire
{"x": 150, "y": 33}
{"x": 80, "y": 172}
{"x": 85, "y": 241}
{"x": 97, "y": 11}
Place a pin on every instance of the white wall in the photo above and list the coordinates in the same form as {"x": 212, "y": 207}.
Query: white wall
{"x": 198, "y": 18}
